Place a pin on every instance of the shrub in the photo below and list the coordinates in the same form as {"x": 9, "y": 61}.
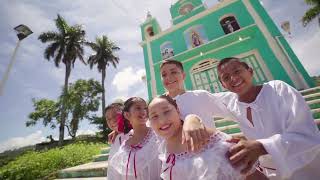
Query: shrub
{"x": 36, "y": 165}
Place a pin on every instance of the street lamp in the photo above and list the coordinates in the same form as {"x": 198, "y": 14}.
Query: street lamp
{"x": 22, "y": 32}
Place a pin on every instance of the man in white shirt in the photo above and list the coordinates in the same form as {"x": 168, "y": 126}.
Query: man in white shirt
{"x": 276, "y": 120}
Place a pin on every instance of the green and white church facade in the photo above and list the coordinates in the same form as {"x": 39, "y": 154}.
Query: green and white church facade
{"x": 203, "y": 33}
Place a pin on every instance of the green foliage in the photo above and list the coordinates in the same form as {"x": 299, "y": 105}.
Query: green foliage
{"x": 65, "y": 46}
{"x": 312, "y": 13}
{"x": 82, "y": 100}
{"x": 45, "y": 109}
{"x": 104, "y": 56}
{"x": 99, "y": 121}
{"x": 104, "y": 53}
{"x": 37, "y": 165}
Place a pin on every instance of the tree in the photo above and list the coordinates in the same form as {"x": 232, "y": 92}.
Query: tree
{"x": 65, "y": 46}
{"x": 47, "y": 110}
{"x": 312, "y": 13}
{"x": 82, "y": 100}
{"x": 104, "y": 56}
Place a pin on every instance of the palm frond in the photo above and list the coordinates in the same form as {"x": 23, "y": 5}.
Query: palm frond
{"x": 311, "y": 14}
{"x": 49, "y": 36}
{"x": 59, "y": 55}
{"x": 61, "y": 24}
{"x": 313, "y": 2}
{"x": 50, "y": 50}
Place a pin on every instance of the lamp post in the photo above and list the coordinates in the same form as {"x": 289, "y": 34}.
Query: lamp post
{"x": 22, "y": 32}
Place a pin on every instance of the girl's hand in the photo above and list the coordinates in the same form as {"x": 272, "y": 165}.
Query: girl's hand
{"x": 194, "y": 133}
{"x": 112, "y": 136}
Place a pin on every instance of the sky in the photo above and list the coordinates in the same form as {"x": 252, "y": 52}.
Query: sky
{"x": 32, "y": 76}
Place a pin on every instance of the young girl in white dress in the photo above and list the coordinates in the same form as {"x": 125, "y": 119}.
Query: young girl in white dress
{"x": 209, "y": 163}
{"x": 113, "y": 113}
{"x": 137, "y": 157}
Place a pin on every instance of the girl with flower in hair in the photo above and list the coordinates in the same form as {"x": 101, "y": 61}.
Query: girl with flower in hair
{"x": 137, "y": 157}
{"x": 115, "y": 122}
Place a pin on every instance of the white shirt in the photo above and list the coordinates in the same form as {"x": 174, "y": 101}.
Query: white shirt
{"x": 142, "y": 160}
{"x": 208, "y": 164}
{"x": 117, "y": 143}
{"x": 283, "y": 123}
{"x": 203, "y": 104}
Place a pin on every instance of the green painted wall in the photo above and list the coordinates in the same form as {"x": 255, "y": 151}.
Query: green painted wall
{"x": 211, "y": 26}
{"x": 219, "y": 44}
{"x": 152, "y": 22}
{"x": 175, "y": 9}
{"x": 273, "y": 29}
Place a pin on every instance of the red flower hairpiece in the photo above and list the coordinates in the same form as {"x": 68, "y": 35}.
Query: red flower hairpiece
{"x": 120, "y": 122}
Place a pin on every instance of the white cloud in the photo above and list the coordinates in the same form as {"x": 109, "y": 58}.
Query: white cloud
{"x": 86, "y": 132}
{"x": 127, "y": 78}
{"x": 308, "y": 50}
{"x": 18, "y": 142}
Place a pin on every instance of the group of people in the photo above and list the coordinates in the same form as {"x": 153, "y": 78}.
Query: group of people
{"x": 174, "y": 136}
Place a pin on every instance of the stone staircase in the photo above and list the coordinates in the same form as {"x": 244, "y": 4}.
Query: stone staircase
{"x": 97, "y": 170}
{"x": 312, "y": 97}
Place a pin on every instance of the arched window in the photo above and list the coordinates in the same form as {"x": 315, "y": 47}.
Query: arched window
{"x": 229, "y": 24}
{"x": 150, "y": 31}
{"x": 166, "y": 50}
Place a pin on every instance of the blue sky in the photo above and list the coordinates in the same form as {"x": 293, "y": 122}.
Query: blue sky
{"x": 34, "y": 77}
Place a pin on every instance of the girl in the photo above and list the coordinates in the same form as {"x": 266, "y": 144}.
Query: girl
{"x": 209, "y": 163}
{"x": 137, "y": 157}
{"x": 113, "y": 114}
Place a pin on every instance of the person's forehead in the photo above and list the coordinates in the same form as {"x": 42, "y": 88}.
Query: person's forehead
{"x": 230, "y": 65}
{"x": 111, "y": 112}
{"x": 159, "y": 103}
{"x": 139, "y": 103}
{"x": 170, "y": 66}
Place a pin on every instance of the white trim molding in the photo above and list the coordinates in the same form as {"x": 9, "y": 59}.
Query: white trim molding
{"x": 276, "y": 49}
{"x": 152, "y": 73}
{"x": 193, "y": 18}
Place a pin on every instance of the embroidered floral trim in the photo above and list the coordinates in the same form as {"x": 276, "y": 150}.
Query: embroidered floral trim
{"x": 144, "y": 141}
{"x": 212, "y": 140}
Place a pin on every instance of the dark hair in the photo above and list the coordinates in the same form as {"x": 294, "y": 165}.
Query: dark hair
{"x": 228, "y": 59}
{"x": 114, "y": 105}
{"x": 169, "y": 99}
{"x": 127, "y": 105}
{"x": 172, "y": 61}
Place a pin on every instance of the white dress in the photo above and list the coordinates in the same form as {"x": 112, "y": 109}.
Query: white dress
{"x": 208, "y": 164}
{"x": 138, "y": 162}
{"x": 283, "y": 123}
{"x": 117, "y": 143}
{"x": 202, "y": 103}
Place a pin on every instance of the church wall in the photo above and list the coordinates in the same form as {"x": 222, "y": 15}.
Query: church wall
{"x": 251, "y": 39}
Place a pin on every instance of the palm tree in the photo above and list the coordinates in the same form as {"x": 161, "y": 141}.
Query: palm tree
{"x": 65, "y": 46}
{"x": 103, "y": 57}
{"x": 312, "y": 13}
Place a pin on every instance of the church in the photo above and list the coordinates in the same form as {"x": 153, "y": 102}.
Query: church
{"x": 202, "y": 33}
